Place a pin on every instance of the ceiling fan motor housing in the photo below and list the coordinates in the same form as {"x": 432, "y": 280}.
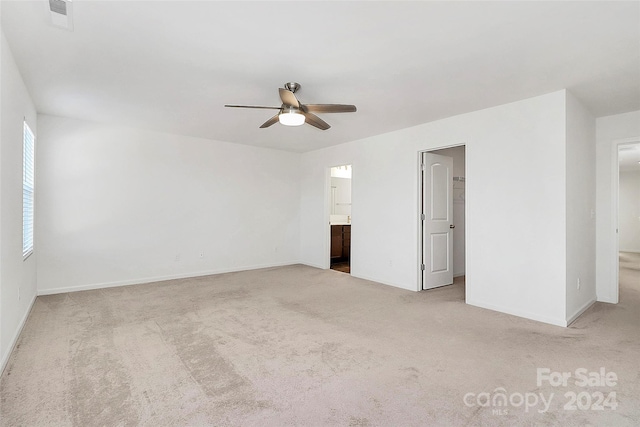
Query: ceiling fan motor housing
{"x": 292, "y": 86}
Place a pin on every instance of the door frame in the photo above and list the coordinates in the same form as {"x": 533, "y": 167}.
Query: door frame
{"x": 326, "y": 264}
{"x": 420, "y": 233}
{"x": 615, "y": 212}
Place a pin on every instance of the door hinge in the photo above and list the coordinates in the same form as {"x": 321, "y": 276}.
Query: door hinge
{"x": 423, "y": 217}
{"x": 422, "y": 166}
{"x": 422, "y": 267}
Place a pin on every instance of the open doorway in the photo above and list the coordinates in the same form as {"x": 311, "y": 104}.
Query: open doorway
{"x": 442, "y": 217}
{"x": 340, "y": 218}
{"x": 628, "y": 218}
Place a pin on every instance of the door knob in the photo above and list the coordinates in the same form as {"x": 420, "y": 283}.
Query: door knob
{"x": 452, "y": 226}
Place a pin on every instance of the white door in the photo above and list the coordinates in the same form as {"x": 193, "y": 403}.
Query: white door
{"x": 437, "y": 220}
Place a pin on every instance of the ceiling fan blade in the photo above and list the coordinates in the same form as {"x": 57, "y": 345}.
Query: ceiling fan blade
{"x": 252, "y": 106}
{"x": 315, "y": 121}
{"x": 328, "y": 108}
{"x": 288, "y": 98}
{"x": 269, "y": 122}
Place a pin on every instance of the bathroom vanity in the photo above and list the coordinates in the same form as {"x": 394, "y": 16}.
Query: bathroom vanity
{"x": 340, "y": 242}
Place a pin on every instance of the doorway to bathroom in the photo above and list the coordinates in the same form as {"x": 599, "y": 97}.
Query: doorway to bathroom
{"x": 340, "y": 218}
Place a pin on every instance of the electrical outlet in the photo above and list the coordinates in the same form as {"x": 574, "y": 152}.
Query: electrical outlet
{"x": 177, "y": 257}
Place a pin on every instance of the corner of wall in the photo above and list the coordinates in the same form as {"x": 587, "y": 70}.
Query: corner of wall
{"x": 580, "y": 209}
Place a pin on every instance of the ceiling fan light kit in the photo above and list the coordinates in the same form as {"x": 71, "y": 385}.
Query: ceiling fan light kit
{"x": 290, "y": 117}
{"x": 293, "y": 113}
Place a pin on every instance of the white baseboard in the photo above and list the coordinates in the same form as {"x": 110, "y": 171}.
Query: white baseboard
{"x": 373, "y": 279}
{"x": 524, "y": 314}
{"x": 308, "y": 264}
{"x": 581, "y": 310}
{"x": 14, "y": 340}
{"x": 142, "y": 280}
{"x": 608, "y": 299}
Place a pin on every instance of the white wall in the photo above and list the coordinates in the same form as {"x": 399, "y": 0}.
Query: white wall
{"x": 609, "y": 131}
{"x": 17, "y": 276}
{"x": 121, "y": 206}
{"x": 629, "y": 211}
{"x": 515, "y": 197}
{"x": 457, "y": 154}
{"x": 580, "y": 189}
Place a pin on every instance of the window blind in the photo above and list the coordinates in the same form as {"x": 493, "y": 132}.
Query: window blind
{"x": 28, "y": 187}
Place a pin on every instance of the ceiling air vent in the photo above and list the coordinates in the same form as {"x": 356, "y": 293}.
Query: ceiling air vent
{"x": 61, "y": 16}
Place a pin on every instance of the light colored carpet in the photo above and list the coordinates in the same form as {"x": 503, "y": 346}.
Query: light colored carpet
{"x": 302, "y": 346}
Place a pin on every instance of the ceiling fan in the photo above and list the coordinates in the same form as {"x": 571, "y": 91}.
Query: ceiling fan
{"x": 293, "y": 113}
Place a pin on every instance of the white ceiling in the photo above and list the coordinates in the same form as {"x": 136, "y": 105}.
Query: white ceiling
{"x": 172, "y": 65}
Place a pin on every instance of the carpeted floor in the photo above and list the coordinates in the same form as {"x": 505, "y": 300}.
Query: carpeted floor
{"x": 301, "y": 346}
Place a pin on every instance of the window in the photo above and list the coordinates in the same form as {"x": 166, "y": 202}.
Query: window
{"x": 27, "y": 190}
